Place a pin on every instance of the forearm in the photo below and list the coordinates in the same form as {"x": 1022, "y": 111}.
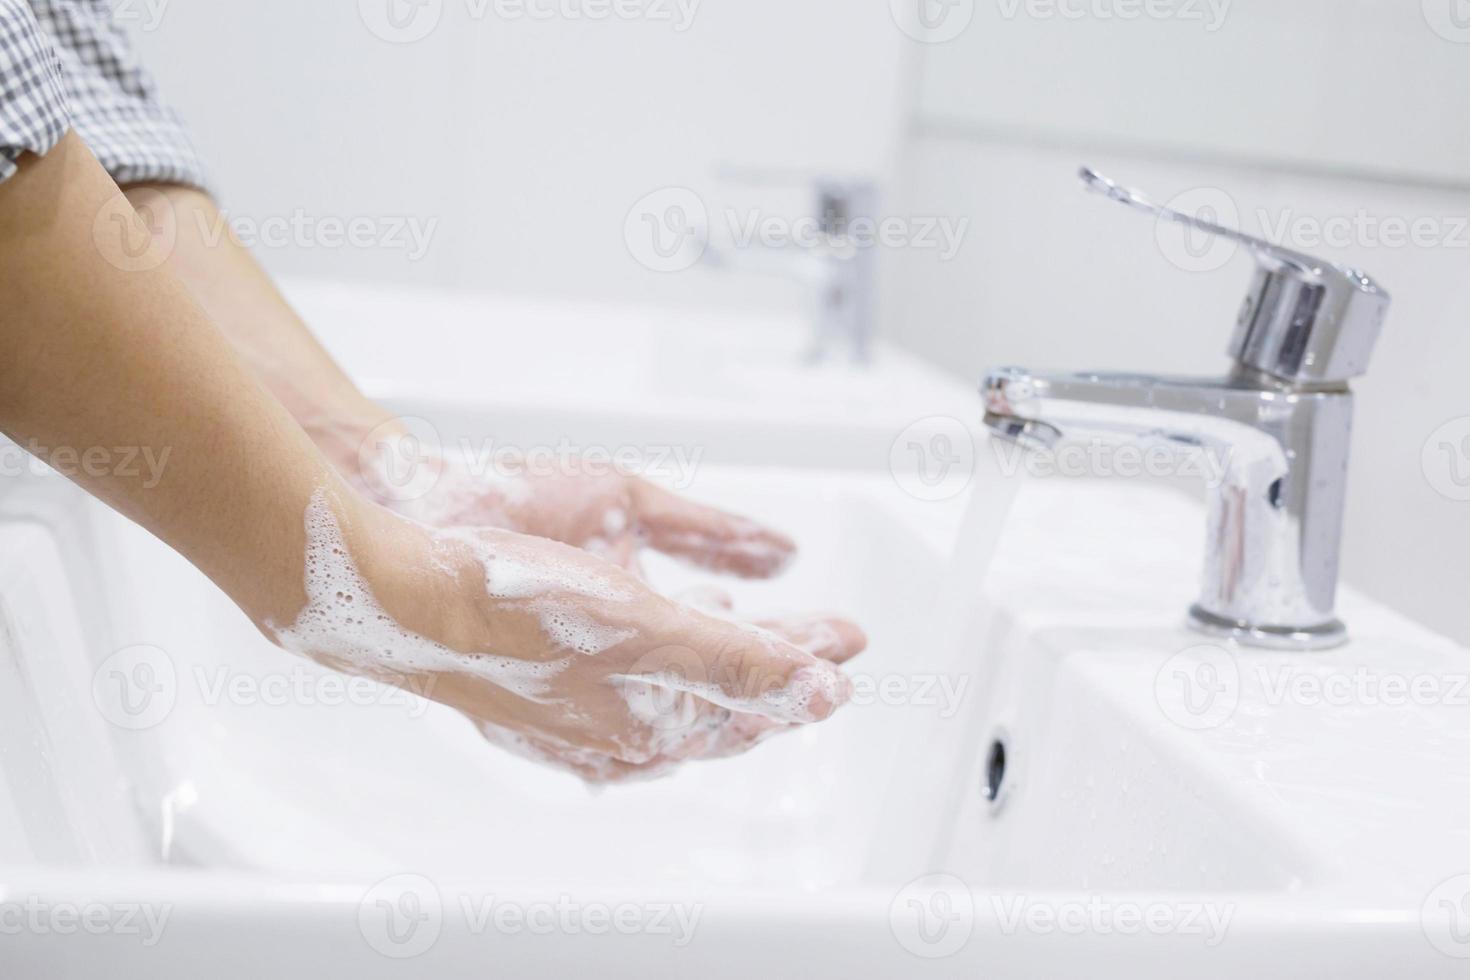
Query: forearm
{"x": 102, "y": 351}
{"x": 250, "y": 311}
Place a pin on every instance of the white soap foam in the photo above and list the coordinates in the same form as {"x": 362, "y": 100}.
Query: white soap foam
{"x": 792, "y": 703}
{"x": 577, "y": 631}
{"x": 510, "y": 577}
{"x": 342, "y": 620}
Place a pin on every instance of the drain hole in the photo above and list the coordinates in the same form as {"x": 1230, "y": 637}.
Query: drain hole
{"x": 995, "y": 770}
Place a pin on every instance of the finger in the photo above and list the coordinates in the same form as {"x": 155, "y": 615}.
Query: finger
{"x": 707, "y": 599}
{"x": 743, "y": 668}
{"x": 592, "y": 766}
{"x": 829, "y": 637}
{"x": 607, "y": 770}
{"x": 743, "y": 733}
{"x": 708, "y": 537}
{"x": 621, "y": 551}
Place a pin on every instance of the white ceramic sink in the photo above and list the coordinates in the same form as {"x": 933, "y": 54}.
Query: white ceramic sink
{"x": 1165, "y": 808}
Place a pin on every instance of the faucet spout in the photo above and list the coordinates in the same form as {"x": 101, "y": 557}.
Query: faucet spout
{"x": 1275, "y": 455}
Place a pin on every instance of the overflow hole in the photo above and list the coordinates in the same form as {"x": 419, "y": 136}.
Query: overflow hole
{"x": 995, "y": 770}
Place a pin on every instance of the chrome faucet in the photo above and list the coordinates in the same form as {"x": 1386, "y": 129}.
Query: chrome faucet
{"x": 1280, "y": 421}
{"x": 841, "y": 272}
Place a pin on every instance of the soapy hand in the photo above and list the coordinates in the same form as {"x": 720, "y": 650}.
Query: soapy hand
{"x": 551, "y": 651}
{"x": 589, "y": 506}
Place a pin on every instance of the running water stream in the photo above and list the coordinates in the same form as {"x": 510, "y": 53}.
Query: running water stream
{"x": 940, "y": 753}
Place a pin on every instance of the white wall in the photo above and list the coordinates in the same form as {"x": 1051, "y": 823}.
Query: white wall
{"x": 527, "y": 140}
{"x": 1053, "y": 277}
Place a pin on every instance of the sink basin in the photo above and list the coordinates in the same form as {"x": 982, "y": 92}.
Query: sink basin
{"x": 730, "y": 388}
{"x": 1043, "y": 770}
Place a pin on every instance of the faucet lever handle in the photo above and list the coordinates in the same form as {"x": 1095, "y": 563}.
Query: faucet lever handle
{"x": 1305, "y": 320}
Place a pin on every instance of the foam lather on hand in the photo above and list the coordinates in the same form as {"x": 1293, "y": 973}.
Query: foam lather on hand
{"x": 590, "y": 617}
{"x": 552, "y": 590}
{"x": 790, "y": 702}
{"x": 343, "y": 621}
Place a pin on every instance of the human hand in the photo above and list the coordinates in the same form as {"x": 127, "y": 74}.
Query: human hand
{"x": 578, "y": 502}
{"x": 551, "y": 651}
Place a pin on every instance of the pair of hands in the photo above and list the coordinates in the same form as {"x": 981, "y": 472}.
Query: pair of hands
{"x": 544, "y": 633}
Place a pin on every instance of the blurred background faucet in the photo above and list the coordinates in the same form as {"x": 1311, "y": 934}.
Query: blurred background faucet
{"x": 839, "y": 269}
{"x": 1279, "y": 423}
